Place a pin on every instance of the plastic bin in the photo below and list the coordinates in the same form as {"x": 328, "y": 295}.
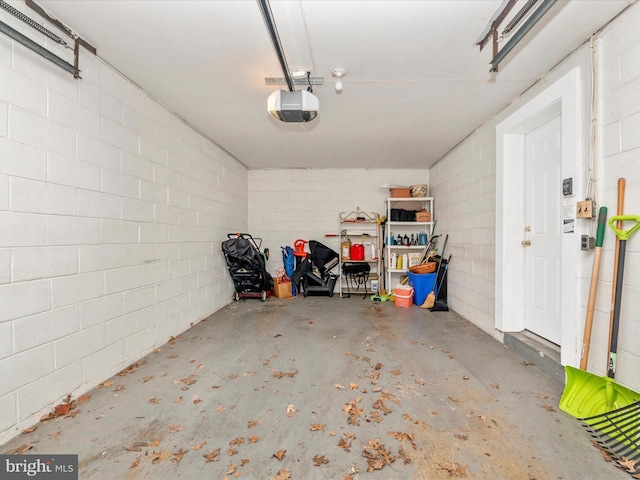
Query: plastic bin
{"x": 404, "y": 295}
{"x": 423, "y": 284}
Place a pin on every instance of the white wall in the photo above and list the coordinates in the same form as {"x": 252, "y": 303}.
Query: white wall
{"x": 112, "y": 211}
{"x": 464, "y": 184}
{"x": 285, "y": 205}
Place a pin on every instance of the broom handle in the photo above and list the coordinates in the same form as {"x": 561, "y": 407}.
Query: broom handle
{"x": 621, "y": 189}
{"x": 593, "y": 289}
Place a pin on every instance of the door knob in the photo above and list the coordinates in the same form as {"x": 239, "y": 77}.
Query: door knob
{"x": 526, "y": 243}
{"x": 527, "y": 228}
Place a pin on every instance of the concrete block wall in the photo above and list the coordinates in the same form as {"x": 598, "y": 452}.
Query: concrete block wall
{"x": 464, "y": 180}
{"x": 112, "y": 211}
{"x": 285, "y": 205}
{"x": 464, "y": 183}
{"x": 620, "y": 146}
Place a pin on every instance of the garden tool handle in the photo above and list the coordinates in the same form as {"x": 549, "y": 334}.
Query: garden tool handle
{"x": 602, "y": 223}
{"x": 624, "y": 234}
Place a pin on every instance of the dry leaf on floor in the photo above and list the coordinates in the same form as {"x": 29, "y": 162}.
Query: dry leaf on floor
{"x": 290, "y": 411}
{"x": 174, "y": 428}
{"x": 338, "y": 385}
{"x": 83, "y": 399}
{"x": 253, "y": 439}
{"x": 243, "y": 461}
{"x": 233, "y": 376}
{"x": 157, "y": 457}
{"x": 146, "y": 379}
{"x": 232, "y": 468}
{"x": 461, "y": 436}
{"x": 197, "y": 400}
{"x": 220, "y": 408}
{"x": 396, "y": 372}
{"x": 21, "y": 449}
{"x": 231, "y": 452}
{"x": 136, "y": 462}
{"x": 279, "y": 374}
{"x": 453, "y": 399}
{"x": 317, "y": 426}
{"x": 454, "y": 469}
{"x": 319, "y": 460}
{"x": 106, "y": 384}
{"x": 280, "y": 454}
{"x": 465, "y": 377}
{"x": 628, "y": 464}
{"x": 154, "y": 400}
{"x": 253, "y": 423}
{"x": 177, "y": 456}
{"x": 198, "y": 446}
{"x": 283, "y": 474}
{"x": 29, "y": 430}
{"x": 213, "y": 456}
{"x": 543, "y": 396}
{"x": 549, "y": 408}
{"x": 119, "y": 388}
{"x": 178, "y": 400}
{"x": 236, "y": 441}
{"x": 353, "y": 386}
{"x": 495, "y": 385}
{"x": 405, "y": 458}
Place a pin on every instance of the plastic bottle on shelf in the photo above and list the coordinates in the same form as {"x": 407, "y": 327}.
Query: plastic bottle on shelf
{"x": 413, "y": 240}
{"x": 406, "y": 240}
{"x": 399, "y": 264}
{"x": 405, "y": 261}
{"x": 399, "y": 240}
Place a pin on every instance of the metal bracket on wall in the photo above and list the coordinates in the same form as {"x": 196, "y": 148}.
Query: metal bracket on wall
{"x": 39, "y": 49}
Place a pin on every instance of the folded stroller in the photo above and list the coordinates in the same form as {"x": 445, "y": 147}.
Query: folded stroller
{"x": 247, "y": 266}
{"x": 313, "y": 274}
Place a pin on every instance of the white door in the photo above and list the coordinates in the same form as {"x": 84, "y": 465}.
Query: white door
{"x": 543, "y": 228}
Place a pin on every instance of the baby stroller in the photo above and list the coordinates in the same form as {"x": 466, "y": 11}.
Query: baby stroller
{"x": 313, "y": 274}
{"x": 247, "y": 266}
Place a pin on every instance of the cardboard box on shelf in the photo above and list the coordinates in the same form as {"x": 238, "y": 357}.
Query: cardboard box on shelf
{"x": 400, "y": 192}
{"x": 423, "y": 216}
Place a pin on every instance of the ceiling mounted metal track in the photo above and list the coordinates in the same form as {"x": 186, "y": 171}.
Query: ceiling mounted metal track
{"x": 35, "y": 46}
{"x": 265, "y": 8}
{"x": 535, "y": 17}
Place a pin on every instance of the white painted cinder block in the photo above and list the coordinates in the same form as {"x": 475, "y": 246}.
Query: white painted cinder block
{"x": 118, "y": 231}
{"x": 120, "y": 184}
{"x": 23, "y": 368}
{"x": 43, "y": 328}
{"x": 6, "y": 339}
{"x": 32, "y": 263}
{"x": 65, "y": 230}
{"x": 8, "y": 411}
{"x": 99, "y": 310}
{"x": 70, "y": 113}
{"x": 99, "y": 205}
{"x": 93, "y": 150}
{"x": 92, "y": 258}
{"x": 30, "y": 129}
{"x": 122, "y": 279}
{"x": 41, "y": 197}
{"x": 22, "y": 299}
{"x": 137, "y": 210}
{"x": 22, "y": 160}
{"x": 21, "y": 91}
{"x": 4, "y": 192}
{"x": 76, "y": 288}
{"x": 38, "y": 395}
{"x": 75, "y": 347}
{"x": 68, "y": 171}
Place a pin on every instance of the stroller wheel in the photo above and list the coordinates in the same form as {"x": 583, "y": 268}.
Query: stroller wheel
{"x": 236, "y": 296}
{"x": 263, "y": 295}
{"x": 266, "y": 253}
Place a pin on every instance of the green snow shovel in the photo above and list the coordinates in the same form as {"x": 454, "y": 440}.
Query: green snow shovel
{"x": 588, "y": 395}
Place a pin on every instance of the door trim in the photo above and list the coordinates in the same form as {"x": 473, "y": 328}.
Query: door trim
{"x": 563, "y": 98}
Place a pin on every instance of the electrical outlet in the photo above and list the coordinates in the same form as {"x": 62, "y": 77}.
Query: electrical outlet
{"x": 586, "y": 209}
{"x": 587, "y": 242}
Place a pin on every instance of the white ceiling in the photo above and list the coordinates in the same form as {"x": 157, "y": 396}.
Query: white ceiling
{"x": 416, "y": 83}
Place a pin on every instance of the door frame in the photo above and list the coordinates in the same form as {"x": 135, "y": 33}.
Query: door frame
{"x": 560, "y": 98}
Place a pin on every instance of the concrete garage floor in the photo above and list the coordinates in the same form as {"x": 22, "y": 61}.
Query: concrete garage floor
{"x": 333, "y": 386}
